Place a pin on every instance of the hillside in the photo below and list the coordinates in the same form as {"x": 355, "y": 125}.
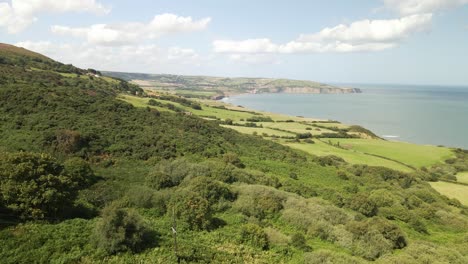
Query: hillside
{"x": 217, "y": 87}
{"x": 95, "y": 170}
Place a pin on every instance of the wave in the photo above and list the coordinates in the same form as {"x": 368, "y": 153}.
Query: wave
{"x": 390, "y": 136}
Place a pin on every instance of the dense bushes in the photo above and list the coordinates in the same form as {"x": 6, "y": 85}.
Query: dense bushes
{"x": 37, "y": 186}
{"x": 254, "y": 235}
{"x": 192, "y": 209}
{"x": 122, "y": 230}
{"x": 259, "y": 201}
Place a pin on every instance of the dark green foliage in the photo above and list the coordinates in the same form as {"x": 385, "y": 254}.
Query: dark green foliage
{"x": 329, "y": 160}
{"x": 210, "y": 189}
{"x": 37, "y": 186}
{"x": 254, "y": 235}
{"x": 212, "y": 180}
{"x": 65, "y": 242}
{"x": 259, "y": 202}
{"x": 259, "y": 119}
{"x": 362, "y": 204}
{"x": 191, "y": 208}
{"x": 122, "y": 230}
{"x": 418, "y": 225}
{"x": 181, "y": 100}
{"x": 298, "y": 241}
{"x": 375, "y": 237}
{"x": 232, "y": 158}
{"x": 303, "y": 135}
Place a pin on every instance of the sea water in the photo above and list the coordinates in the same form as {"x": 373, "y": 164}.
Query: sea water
{"x": 436, "y": 115}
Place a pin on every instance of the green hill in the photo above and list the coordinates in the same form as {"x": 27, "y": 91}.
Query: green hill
{"x": 218, "y": 87}
{"x": 86, "y": 177}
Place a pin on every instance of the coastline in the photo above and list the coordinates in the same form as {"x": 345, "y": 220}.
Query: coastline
{"x": 396, "y": 124}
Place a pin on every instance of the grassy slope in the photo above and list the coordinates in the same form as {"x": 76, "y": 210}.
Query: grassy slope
{"x": 462, "y": 177}
{"x": 260, "y": 131}
{"x": 322, "y": 149}
{"x": 354, "y": 150}
{"x": 411, "y": 154}
{"x": 452, "y": 190}
{"x": 116, "y": 130}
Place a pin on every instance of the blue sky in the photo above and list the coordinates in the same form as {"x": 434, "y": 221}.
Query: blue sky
{"x": 380, "y": 41}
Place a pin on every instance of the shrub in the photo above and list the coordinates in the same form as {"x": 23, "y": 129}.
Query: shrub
{"x": 362, "y": 204}
{"x": 298, "y": 241}
{"x": 329, "y": 160}
{"x": 37, "y": 186}
{"x": 259, "y": 201}
{"x": 121, "y": 230}
{"x": 254, "y": 235}
{"x": 194, "y": 210}
{"x": 210, "y": 189}
{"x": 418, "y": 225}
{"x": 329, "y": 257}
{"x": 232, "y": 158}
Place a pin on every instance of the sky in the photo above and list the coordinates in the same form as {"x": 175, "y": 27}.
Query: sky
{"x": 334, "y": 41}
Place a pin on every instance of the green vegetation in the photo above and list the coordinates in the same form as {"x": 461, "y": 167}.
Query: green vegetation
{"x": 462, "y": 177}
{"x": 208, "y": 87}
{"x": 323, "y": 149}
{"x": 87, "y": 177}
{"x": 452, "y": 190}
{"x": 407, "y": 153}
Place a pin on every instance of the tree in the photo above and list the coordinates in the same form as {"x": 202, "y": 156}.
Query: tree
{"x": 121, "y": 230}
{"x": 254, "y": 235}
{"x": 192, "y": 209}
{"x": 37, "y": 186}
{"x": 232, "y": 158}
{"x": 210, "y": 189}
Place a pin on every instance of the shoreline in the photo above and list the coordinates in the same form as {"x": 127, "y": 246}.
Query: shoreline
{"x": 383, "y": 136}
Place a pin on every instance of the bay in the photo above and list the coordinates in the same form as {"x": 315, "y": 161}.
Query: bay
{"x": 436, "y": 115}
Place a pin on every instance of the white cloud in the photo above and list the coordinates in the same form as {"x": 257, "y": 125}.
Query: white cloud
{"x": 371, "y": 31}
{"x": 176, "y": 53}
{"x": 125, "y": 33}
{"x": 132, "y": 58}
{"x": 254, "y": 58}
{"x": 408, "y": 7}
{"x": 360, "y": 36}
{"x": 170, "y": 23}
{"x": 17, "y": 15}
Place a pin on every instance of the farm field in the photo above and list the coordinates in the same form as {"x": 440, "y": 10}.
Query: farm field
{"x": 452, "y": 190}
{"x": 374, "y": 152}
{"x": 260, "y": 130}
{"x": 323, "y": 149}
{"x": 296, "y": 127}
{"x": 462, "y": 177}
{"x": 410, "y": 154}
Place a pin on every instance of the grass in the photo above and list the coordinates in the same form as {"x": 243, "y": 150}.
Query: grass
{"x": 323, "y": 149}
{"x": 356, "y": 151}
{"x": 452, "y": 190}
{"x": 410, "y": 154}
{"x": 295, "y": 127}
{"x": 462, "y": 177}
{"x": 260, "y": 130}
{"x": 139, "y": 102}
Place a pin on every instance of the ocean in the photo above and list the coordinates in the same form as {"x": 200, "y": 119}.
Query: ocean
{"x": 435, "y": 115}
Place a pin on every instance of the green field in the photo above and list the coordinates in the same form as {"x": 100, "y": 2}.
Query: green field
{"x": 462, "y": 177}
{"x": 260, "y": 130}
{"x": 452, "y": 190}
{"x": 295, "y": 127}
{"x": 411, "y": 154}
{"x": 396, "y": 155}
{"x": 323, "y": 149}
